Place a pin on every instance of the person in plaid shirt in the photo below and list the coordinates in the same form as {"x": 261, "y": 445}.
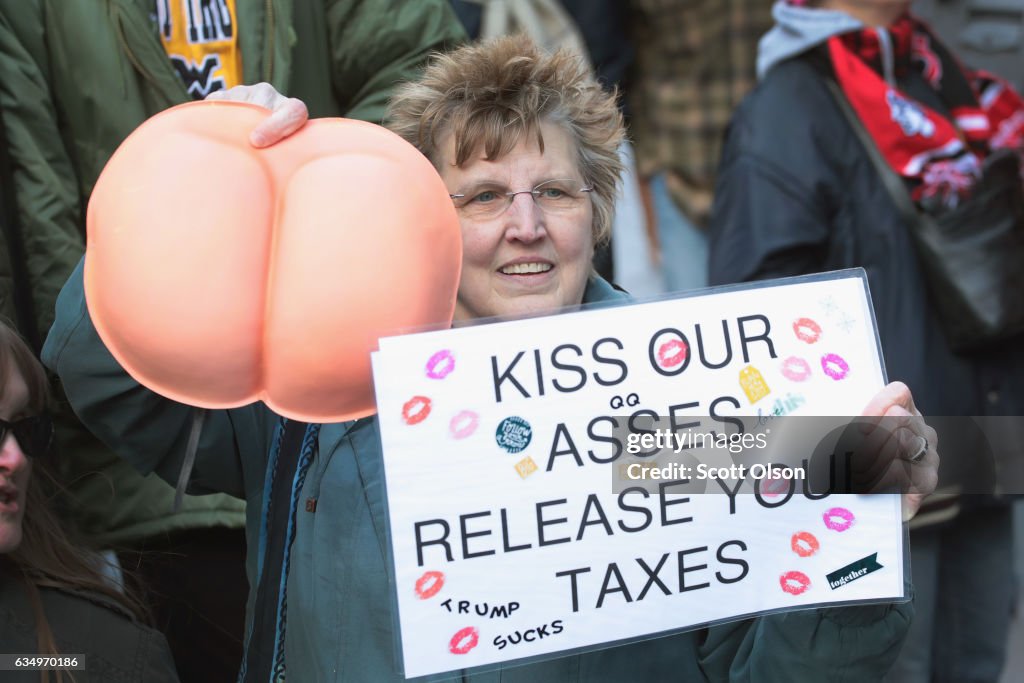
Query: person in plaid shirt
{"x": 695, "y": 61}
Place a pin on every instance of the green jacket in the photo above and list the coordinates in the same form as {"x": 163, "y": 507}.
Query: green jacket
{"x": 340, "y": 626}
{"x": 77, "y": 76}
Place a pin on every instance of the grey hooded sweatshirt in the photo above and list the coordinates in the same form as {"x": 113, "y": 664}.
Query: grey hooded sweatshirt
{"x": 798, "y": 29}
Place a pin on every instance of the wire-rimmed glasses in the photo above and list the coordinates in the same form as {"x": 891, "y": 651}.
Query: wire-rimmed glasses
{"x": 552, "y": 196}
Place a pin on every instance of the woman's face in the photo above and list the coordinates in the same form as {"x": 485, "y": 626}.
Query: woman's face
{"x": 15, "y": 466}
{"x": 525, "y": 259}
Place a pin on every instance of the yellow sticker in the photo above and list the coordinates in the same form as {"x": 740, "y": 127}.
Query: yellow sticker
{"x": 526, "y": 467}
{"x": 753, "y": 384}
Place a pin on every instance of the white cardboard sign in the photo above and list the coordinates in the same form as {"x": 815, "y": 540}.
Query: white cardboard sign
{"x": 507, "y": 539}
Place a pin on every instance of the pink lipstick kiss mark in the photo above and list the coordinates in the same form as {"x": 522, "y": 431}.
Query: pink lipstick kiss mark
{"x": 464, "y": 641}
{"x": 672, "y": 353}
{"x": 794, "y": 582}
{"x": 834, "y": 366}
{"x": 807, "y": 330}
{"x": 804, "y": 544}
{"x": 463, "y": 424}
{"x": 796, "y": 369}
{"x": 416, "y": 410}
{"x": 429, "y": 585}
{"x": 845, "y": 516}
{"x": 440, "y": 364}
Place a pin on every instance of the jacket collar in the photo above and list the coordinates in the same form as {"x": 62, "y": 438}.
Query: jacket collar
{"x": 141, "y": 45}
{"x": 266, "y": 53}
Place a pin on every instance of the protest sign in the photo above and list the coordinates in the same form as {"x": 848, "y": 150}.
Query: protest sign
{"x": 500, "y": 447}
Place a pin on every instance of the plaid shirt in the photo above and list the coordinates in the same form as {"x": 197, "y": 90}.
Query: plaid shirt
{"x": 695, "y": 62}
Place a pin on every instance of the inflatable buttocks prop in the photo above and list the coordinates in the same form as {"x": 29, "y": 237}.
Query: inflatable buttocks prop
{"x": 219, "y": 274}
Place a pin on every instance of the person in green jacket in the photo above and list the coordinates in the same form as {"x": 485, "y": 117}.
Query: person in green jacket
{"x": 533, "y": 169}
{"x": 76, "y": 77}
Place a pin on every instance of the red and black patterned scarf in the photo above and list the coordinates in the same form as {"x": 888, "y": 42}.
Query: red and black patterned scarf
{"x": 939, "y": 156}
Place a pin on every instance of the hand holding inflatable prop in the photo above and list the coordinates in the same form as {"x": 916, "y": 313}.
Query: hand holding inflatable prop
{"x": 219, "y": 274}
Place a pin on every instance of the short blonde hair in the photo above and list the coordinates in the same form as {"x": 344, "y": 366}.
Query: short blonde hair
{"x": 490, "y": 95}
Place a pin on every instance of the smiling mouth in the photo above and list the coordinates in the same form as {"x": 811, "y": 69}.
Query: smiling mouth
{"x": 525, "y": 268}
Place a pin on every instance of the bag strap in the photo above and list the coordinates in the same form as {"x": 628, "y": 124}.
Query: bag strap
{"x": 892, "y": 181}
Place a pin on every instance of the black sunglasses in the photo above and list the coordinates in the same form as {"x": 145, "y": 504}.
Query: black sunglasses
{"x": 34, "y": 434}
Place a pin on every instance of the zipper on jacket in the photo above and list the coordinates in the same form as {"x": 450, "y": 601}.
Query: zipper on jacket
{"x": 268, "y": 53}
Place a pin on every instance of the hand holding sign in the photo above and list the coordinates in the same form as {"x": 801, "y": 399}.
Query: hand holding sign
{"x": 903, "y": 446}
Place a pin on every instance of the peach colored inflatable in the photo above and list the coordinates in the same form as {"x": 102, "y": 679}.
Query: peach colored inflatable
{"x": 219, "y": 274}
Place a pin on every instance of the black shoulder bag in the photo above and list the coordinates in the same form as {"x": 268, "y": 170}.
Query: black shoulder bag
{"x": 973, "y": 255}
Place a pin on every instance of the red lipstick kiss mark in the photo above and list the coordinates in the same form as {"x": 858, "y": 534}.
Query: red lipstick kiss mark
{"x": 773, "y": 488}
{"x": 807, "y": 330}
{"x": 463, "y": 424}
{"x": 794, "y": 582}
{"x": 440, "y": 364}
{"x": 464, "y": 641}
{"x": 796, "y": 369}
{"x": 416, "y": 410}
{"x": 845, "y": 519}
{"x": 834, "y": 366}
{"x": 672, "y": 353}
{"x": 804, "y": 544}
{"x": 428, "y": 585}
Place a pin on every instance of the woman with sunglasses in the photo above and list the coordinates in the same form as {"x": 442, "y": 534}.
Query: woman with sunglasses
{"x": 55, "y": 603}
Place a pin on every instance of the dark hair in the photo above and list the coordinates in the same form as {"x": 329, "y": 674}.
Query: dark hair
{"x": 47, "y": 557}
{"x": 15, "y": 354}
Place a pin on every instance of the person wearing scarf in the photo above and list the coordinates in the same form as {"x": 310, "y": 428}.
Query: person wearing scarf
{"x": 797, "y": 193}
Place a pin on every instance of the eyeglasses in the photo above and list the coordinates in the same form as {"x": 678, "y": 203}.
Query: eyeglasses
{"x": 552, "y": 196}
{"x": 34, "y": 434}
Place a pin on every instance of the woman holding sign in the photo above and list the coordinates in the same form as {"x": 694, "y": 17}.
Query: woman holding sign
{"x": 526, "y": 144}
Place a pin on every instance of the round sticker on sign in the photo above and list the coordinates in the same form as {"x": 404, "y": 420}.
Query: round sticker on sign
{"x": 513, "y": 434}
